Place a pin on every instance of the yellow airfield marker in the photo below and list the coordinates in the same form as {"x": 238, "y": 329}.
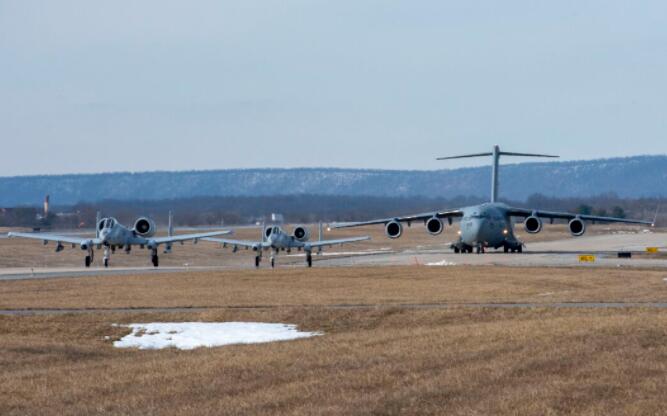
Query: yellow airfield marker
{"x": 586, "y": 258}
{"x": 652, "y": 249}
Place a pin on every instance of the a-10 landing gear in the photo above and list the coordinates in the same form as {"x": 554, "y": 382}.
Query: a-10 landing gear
{"x": 309, "y": 259}
{"x": 106, "y": 256}
{"x": 154, "y": 258}
{"x": 89, "y": 258}
{"x": 258, "y": 260}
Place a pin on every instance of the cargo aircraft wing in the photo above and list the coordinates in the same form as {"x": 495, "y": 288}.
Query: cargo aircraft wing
{"x": 408, "y": 218}
{"x": 522, "y": 212}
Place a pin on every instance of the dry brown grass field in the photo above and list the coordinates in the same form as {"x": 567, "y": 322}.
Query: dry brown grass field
{"x": 388, "y": 361}
{"x": 339, "y": 285}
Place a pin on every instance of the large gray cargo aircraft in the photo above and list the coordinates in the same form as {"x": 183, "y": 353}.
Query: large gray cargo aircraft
{"x": 276, "y": 239}
{"x": 110, "y": 235}
{"x": 490, "y": 225}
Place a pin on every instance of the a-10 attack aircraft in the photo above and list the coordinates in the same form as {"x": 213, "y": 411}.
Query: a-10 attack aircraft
{"x": 112, "y": 235}
{"x": 490, "y": 225}
{"x": 276, "y": 239}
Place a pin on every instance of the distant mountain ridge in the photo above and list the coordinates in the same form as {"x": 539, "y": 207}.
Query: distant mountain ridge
{"x": 638, "y": 176}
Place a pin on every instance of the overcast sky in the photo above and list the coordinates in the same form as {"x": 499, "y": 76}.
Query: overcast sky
{"x": 91, "y": 86}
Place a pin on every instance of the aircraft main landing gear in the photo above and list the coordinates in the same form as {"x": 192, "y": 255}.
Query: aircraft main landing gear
{"x": 273, "y": 262}
{"x": 89, "y": 258}
{"x": 258, "y": 259}
{"x": 309, "y": 259}
{"x": 106, "y": 256}
{"x": 154, "y": 258}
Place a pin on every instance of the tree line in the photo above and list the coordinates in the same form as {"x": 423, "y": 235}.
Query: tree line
{"x": 241, "y": 210}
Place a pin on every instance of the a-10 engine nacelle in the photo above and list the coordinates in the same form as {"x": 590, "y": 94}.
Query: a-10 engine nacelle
{"x": 301, "y": 233}
{"x": 100, "y": 224}
{"x": 577, "y": 227}
{"x": 393, "y": 229}
{"x": 532, "y": 225}
{"x": 144, "y": 227}
{"x": 434, "y": 226}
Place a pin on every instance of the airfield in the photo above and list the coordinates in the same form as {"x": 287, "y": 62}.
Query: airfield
{"x": 406, "y": 327}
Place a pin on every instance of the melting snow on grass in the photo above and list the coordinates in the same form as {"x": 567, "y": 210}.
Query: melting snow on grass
{"x": 191, "y": 335}
{"x": 441, "y": 263}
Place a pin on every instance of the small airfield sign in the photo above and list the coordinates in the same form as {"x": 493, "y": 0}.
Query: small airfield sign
{"x": 652, "y": 250}
{"x": 586, "y": 258}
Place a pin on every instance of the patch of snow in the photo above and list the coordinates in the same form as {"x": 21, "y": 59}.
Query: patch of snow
{"x": 441, "y": 263}
{"x": 191, "y": 335}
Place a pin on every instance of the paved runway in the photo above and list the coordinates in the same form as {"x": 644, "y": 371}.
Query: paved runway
{"x": 557, "y": 253}
{"x": 560, "y": 253}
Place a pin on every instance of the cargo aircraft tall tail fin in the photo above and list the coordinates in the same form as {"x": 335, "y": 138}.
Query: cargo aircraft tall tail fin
{"x": 496, "y": 153}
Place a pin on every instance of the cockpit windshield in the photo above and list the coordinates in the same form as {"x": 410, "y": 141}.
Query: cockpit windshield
{"x": 109, "y": 223}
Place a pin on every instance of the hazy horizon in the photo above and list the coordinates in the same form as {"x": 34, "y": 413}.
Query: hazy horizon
{"x": 174, "y": 86}
{"x": 268, "y": 168}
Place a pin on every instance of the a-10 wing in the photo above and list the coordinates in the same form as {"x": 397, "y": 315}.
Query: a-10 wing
{"x": 522, "y": 212}
{"x": 187, "y": 237}
{"x": 408, "y": 218}
{"x": 57, "y": 238}
{"x": 238, "y": 243}
{"x": 329, "y": 243}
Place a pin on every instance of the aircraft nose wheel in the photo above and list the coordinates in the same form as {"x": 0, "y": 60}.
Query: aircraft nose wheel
{"x": 273, "y": 262}
{"x": 106, "y": 262}
{"x": 257, "y": 261}
{"x": 154, "y": 260}
{"x": 309, "y": 260}
{"x": 88, "y": 261}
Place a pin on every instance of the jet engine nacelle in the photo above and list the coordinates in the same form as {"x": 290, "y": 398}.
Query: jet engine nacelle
{"x": 434, "y": 226}
{"x": 577, "y": 227}
{"x": 393, "y": 229}
{"x": 301, "y": 233}
{"x": 144, "y": 227}
{"x": 100, "y": 224}
{"x": 532, "y": 225}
